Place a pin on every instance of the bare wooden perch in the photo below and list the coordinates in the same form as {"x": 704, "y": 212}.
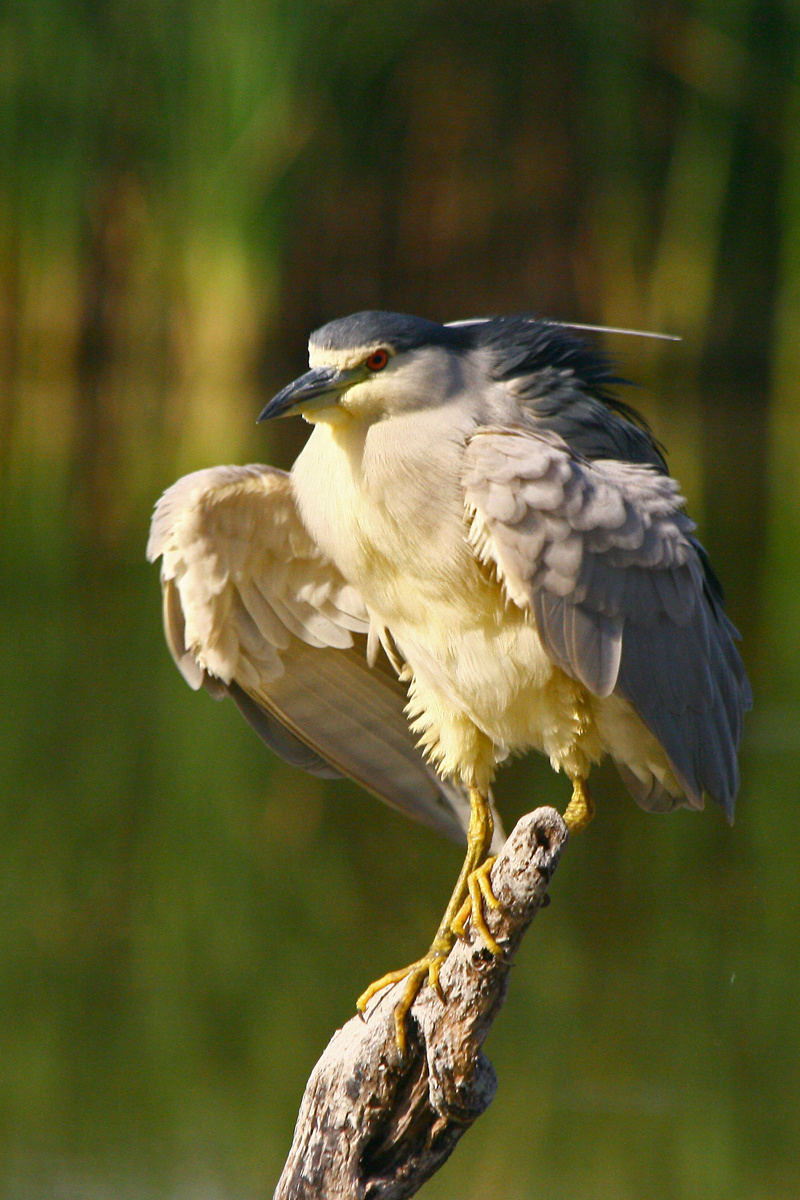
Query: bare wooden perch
{"x": 374, "y": 1125}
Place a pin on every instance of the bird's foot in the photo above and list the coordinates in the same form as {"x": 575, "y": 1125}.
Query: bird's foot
{"x": 580, "y": 809}
{"x": 480, "y": 891}
{"x": 472, "y": 888}
{"x": 414, "y": 975}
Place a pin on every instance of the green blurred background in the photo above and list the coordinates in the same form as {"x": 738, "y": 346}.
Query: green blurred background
{"x": 186, "y": 189}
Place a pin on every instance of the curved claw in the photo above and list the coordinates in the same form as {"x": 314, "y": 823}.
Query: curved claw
{"x": 430, "y": 965}
{"x": 480, "y": 892}
{"x": 379, "y": 984}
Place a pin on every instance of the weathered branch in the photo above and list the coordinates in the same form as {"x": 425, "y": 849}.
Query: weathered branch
{"x": 374, "y": 1125}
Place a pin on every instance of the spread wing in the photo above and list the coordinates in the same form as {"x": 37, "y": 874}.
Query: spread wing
{"x": 624, "y": 601}
{"x": 254, "y": 610}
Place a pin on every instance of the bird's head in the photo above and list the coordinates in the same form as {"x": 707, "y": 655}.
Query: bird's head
{"x": 375, "y": 365}
{"x": 370, "y": 366}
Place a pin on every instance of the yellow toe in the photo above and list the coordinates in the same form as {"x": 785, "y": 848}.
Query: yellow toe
{"x": 480, "y": 893}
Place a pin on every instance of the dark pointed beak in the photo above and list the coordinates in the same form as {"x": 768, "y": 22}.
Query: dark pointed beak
{"x": 318, "y": 388}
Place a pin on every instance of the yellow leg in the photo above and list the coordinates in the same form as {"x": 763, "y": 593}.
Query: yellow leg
{"x": 580, "y": 809}
{"x": 472, "y": 886}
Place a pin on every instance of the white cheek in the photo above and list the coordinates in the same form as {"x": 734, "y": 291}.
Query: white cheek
{"x": 373, "y": 398}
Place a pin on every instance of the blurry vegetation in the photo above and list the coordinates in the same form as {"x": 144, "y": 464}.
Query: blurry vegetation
{"x": 186, "y": 190}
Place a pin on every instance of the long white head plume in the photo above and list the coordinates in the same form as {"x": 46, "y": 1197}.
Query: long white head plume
{"x": 645, "y": 333}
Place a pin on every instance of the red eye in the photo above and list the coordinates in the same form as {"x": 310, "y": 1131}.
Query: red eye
{"x": 377, "y": 360}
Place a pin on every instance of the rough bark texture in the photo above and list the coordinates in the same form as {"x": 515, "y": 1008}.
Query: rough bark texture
{"x": 374, "y": 1125}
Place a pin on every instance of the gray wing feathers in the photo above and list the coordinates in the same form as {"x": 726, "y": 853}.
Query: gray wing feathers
{"x": 252, "y": 609}
{"x": 585, "y": 644}
{"x": 278, "y": 737}
{"x": 602, "y": 553}
{"x": 654, "y": 798}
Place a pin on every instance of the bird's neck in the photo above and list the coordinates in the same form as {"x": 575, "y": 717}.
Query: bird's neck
{"x": 381, "y": 498}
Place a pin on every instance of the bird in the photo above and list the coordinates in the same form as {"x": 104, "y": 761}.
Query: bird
{"x": 479, "y": 552}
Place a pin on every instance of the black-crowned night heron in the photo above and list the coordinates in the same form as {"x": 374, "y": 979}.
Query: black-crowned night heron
{"x": 479, "y": 535}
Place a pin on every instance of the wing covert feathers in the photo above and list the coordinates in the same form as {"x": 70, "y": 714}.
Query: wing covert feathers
{"x": 602, "y": 555}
